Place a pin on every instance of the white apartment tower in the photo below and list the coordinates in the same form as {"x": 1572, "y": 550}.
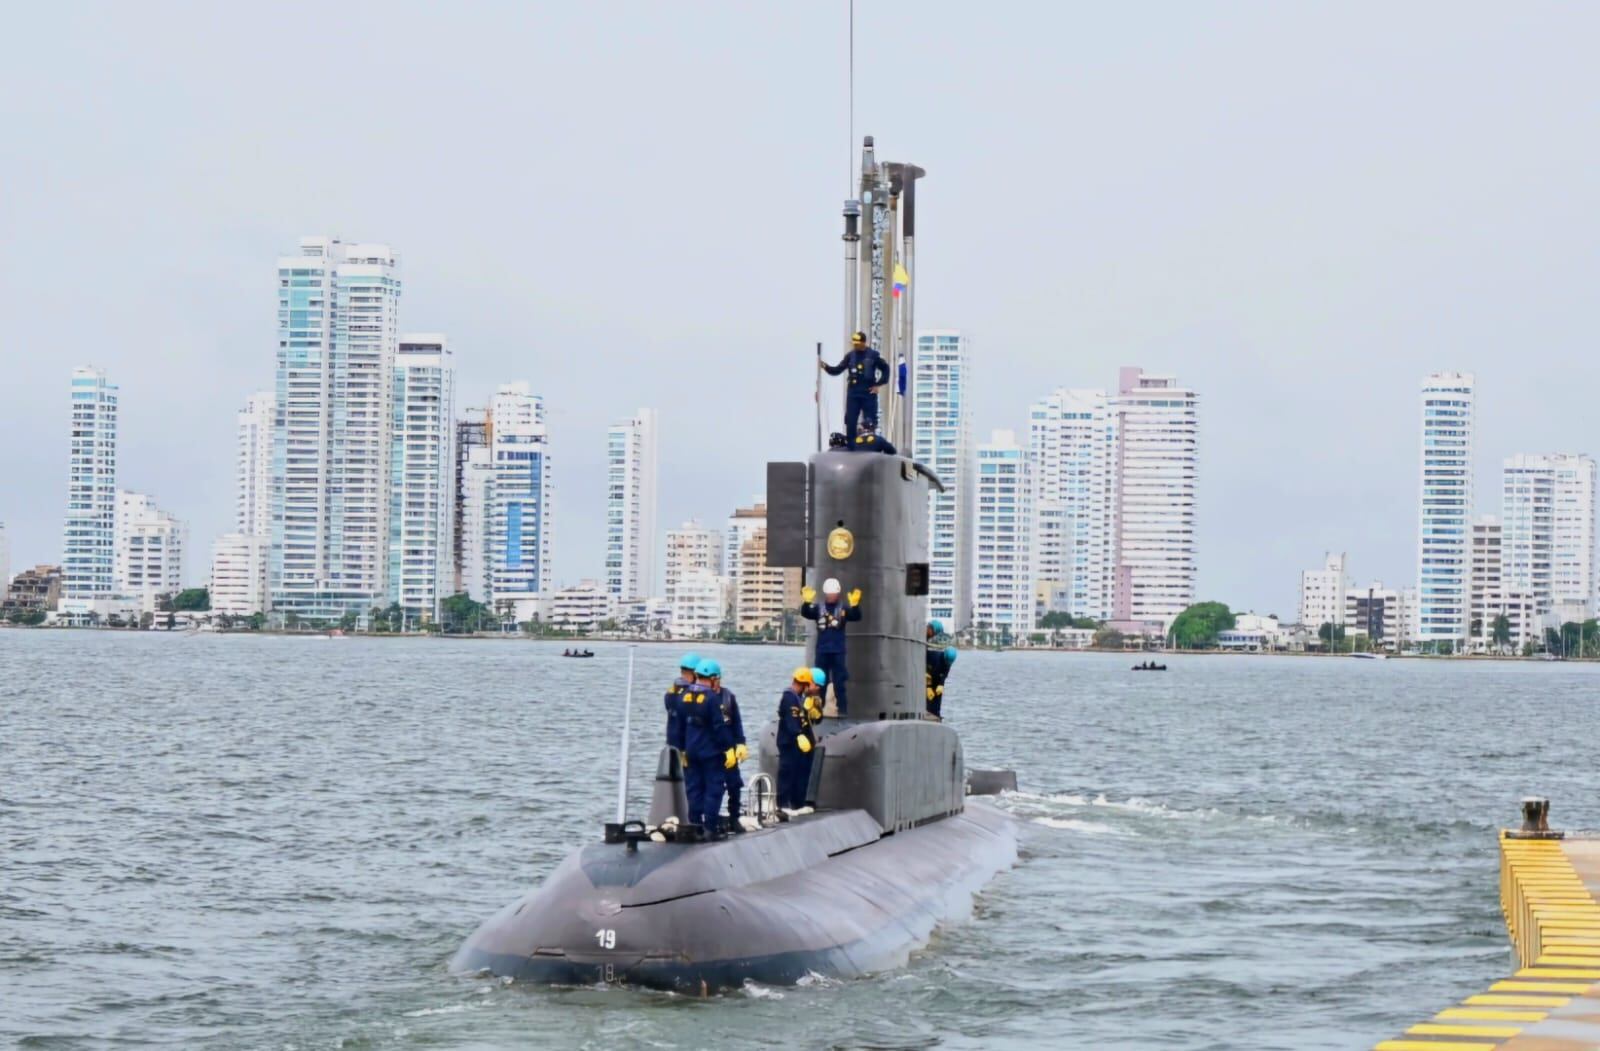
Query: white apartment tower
{"x": 337, "y": 329}
{"x": 1548, "y": 518}
{"x": 1486, "y": 579}
{"x": 942, "y": 440}
{"x": 1002, "y": 572}
{"x": 1443, "y": 559}
{"x": 517, "y": 529}
{"x": 1322, "y": 592}
{"x": 422, "y": 476}
{"x": 631, "y": 452}
{"x": 472, "y": 465}
{"x": 253, "y": 468}
{"x": 149, "y": 551}
{"x": 696, "y": 590}
{"x": 237, "y": 583}
{"x": 238, "y": 580}
{"x": 89, "y": 538}
{"x": 1070, "y": 445}
{"x": 1155, "y": 467}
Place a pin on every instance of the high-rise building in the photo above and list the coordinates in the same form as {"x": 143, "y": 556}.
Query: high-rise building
{"x": 89, "y": 539}
{"x": 1548, "y": 517}
{"x": 942, "y": 440}
{"x": 1070, "y": 445}
{"x": 239, "y": 558}
{"x": 237, "y": 585}
{"x": 1002, "y": 574}
{"x": 1444, "y": 531}
{"x": 149, "y": 551}
{"x": 1156, "y": 467}
{"x": 741, "y": 527}
{"x": 422, "y": 476}
{"x": 1485, "y": 580}
{"x": 763, "y": 593}
{"x": 253, "y": 469}
{"x": 699, "y": 604}
{"x": 521, "y": 490}
{"x": 631, "y": 506}
{"x": 1322, "y": 592}
{"x": 337, "y": 330}
{"x": 691, "y": 547}
{"x": 472, "y": 472}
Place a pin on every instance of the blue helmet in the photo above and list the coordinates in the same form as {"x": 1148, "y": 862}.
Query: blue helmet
{"x": 709, "y": 669}
{"x": 819, "y": 676}
{"x": 690, "y": 661}
{"x": 950, "y": 654}
{"x": 936, "y": 626}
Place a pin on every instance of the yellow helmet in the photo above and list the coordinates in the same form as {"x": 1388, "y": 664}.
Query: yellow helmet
{"x": 802, "y": 675}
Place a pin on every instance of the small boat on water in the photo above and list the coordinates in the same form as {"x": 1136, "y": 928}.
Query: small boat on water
{"x": 1149, "y": 666}
{"x": 577, "y": 653}
{"x": 1370, "y": 656}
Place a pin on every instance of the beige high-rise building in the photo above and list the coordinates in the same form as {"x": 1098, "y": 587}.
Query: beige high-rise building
{"x": 762, "y": 592}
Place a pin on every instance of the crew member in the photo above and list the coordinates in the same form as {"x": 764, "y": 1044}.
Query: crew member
{"x": 831, "y": 617}
{"x": 709, "y": 745}
{"x": 732, "y": 778}
{"x": 940, "y": 660}
{"x": 870, "y": 441}
{"x": 674, "y": 694}
{"x": 868, "y": 371}
{"x": 795, "y": 741}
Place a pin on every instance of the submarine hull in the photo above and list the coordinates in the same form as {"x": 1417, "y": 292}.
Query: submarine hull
{"x": 825, "y": 894}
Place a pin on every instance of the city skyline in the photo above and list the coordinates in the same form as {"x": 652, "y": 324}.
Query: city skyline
{"x": 1303, "y": 288}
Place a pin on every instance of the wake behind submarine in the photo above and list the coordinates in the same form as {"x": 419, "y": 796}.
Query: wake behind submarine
{"x": 895, "y": 842}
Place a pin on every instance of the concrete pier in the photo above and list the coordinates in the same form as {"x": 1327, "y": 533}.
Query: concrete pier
{"x": 1550, "y": 893}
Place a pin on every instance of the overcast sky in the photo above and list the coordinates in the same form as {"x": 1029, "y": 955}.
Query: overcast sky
{"x": 1300, "y": 210}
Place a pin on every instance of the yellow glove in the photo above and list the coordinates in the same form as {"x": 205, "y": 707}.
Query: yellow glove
{"x": 730, "y": 759}
{"x": 804, "y": 742}
{"x": 742, "y": 752}
{"x": 813, "y": 711}
{"x": 930, "y": 693}
{"x": 808, "y": 594}
{"x": 939, "y": 690}
{"x": 855, "y": 597}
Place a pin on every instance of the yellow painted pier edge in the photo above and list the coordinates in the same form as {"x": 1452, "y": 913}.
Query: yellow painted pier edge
{"x": 1550, "y": 894}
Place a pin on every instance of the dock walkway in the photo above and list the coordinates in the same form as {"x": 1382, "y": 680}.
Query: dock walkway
{"x": 1550, "y": 893}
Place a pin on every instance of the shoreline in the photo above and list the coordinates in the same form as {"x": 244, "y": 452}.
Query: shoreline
{"x": 587, "y": 640}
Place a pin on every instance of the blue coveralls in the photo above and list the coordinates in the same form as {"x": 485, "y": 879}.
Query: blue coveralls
{"x": 867, "y": 370}
{"x": 938, "y": 671}
{"x": 872, "y": 443}
{"x": 706, "y": 740}
{"x": 674, "y": 716}
{"x": 831, "y": 619}
{"x": 794, "y": 766}
{"x": 733, "y": 779}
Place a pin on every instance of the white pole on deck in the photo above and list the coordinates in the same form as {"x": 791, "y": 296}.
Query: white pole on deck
{"x": 627, "y": 718}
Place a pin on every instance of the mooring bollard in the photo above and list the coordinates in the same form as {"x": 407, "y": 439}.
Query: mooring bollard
{"x": 1536, "y": 820}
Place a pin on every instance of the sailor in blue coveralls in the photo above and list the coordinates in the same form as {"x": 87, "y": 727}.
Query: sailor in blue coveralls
{"x": 940, "y": 661}
{"x": 731, "y": 778}
{"x": 796, "y": 739}
{"x": 709, "y": 745}
{"x": 867, "y": 372}
{"x": 831, "y": 616}
{"x": 684, "y": 680}
{"x": 870, "y": 441}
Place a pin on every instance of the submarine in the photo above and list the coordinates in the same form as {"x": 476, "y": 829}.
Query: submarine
{"x": 897, "y": 835}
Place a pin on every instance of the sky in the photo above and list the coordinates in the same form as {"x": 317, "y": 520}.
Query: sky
{"x": 1298, "y": 209}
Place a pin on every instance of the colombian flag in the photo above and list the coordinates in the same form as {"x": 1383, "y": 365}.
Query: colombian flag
{"x": 901, "y": 279}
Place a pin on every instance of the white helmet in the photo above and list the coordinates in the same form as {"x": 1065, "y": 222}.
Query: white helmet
{"x": 830, "y": 586}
